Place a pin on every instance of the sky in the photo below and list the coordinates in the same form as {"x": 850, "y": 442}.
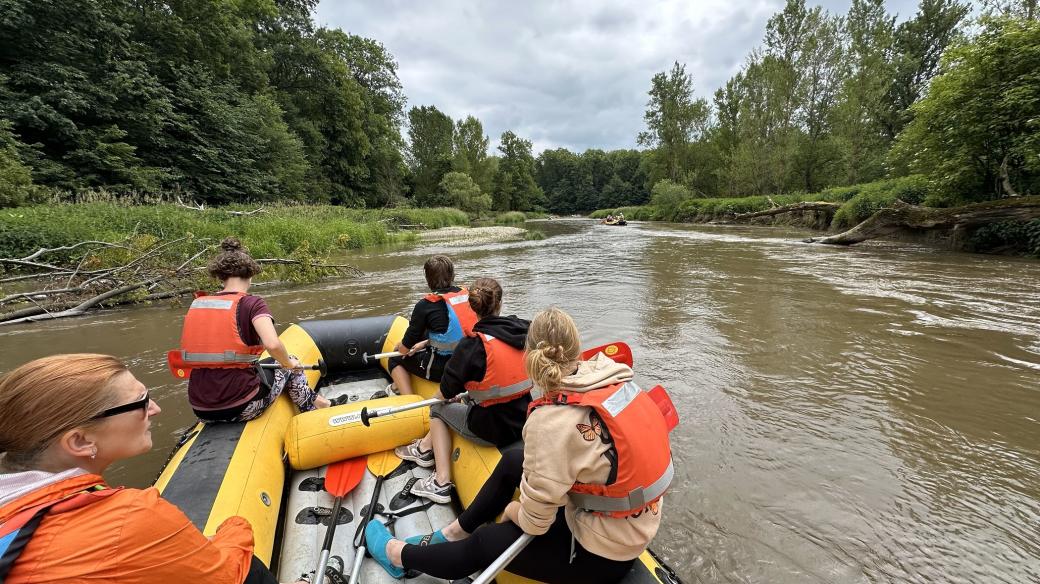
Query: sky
{"x": 566, "y": 73}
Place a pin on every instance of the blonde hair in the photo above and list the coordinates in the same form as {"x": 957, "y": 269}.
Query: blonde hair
{"x": 485, "y": 297}
{"x": 45, "y": 398}
{"x": 553, "y": 348}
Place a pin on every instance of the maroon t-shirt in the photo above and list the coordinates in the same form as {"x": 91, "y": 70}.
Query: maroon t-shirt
{"x": 219, "y": 389}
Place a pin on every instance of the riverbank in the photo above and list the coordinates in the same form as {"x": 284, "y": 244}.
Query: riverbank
{"x": 840, "y": 209}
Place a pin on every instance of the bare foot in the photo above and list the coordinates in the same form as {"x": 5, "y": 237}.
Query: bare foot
{"x": 454, "y": 532}
{"x": 321, "y": 402}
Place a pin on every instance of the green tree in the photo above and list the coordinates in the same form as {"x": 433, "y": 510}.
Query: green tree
{"x": 976, "y": 134}
{"x": 859, "y": 118}
{"x": 515, "y": 188}
{"x": 918, "y": 45}
{"x": 15, "y": 177}
{"x": 461, "y": 191}
{"x": 470, "y": 151}
{"x": 430, "y": 134}
{"x": 667, "y": 195}
{"x": 673, "y": 119}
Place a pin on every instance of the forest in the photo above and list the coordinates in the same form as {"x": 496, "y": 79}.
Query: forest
{"x": 228, "y": 102}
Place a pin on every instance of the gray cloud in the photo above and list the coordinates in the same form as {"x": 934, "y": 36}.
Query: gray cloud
{"x": 564, "y": 73}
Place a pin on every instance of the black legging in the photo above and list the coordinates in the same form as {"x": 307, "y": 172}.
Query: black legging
{"x": 547, "y": 558}
{"x": 259, "y": 574}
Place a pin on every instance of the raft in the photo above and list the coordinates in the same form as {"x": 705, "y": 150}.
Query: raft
{"x": 220, "y": 470}
{"x": 620, "y": 223}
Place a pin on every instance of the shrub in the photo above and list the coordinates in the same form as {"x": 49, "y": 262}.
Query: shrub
{"x": 510, "y": 218}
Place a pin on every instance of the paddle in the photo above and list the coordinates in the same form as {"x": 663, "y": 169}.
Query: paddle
{"x": 367, "y": 415}
{"x": 182, "y": 370}
{"x": 617, "y": 351}
{"x": 503, "y": 560}
{"x": 380, "y": 465}
{"x": 340, "y": 478}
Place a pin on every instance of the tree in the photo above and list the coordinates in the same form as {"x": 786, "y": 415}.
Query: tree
{"x": 917, "y": 46}
{"x": 461, "y": 191}
{"x": 667, "y": 196}
{"x": 430, "y": 133}
{"x": 15, "y": 178}
{"x": 515, "y": 188}
{"x": 673, "y": 119}
{"x": 470, "y": 151}
{"x": 859, "y": 118}
{"x": 976, "y": 133}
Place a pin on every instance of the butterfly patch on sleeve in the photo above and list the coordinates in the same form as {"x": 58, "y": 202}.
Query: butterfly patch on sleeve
{"x": 592, "y": 430}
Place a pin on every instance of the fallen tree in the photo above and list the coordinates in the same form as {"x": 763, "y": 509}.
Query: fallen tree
{"x": 905, "y": 217}
{"x": 140, "y": 269}
{"x": 823, "y": 206}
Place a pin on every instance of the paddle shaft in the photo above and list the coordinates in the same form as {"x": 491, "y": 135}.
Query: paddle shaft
{"x": 326, "y": 547}
{"x": 379, "y": 356}
{"x": 355, "y": 570}
{"x": 503, "y": 560}
{"x": 367, "y": 415}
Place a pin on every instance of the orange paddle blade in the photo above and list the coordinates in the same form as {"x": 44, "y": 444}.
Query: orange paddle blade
{"x": 178, "y": 367}
{"x": 617, "y": 351}
{"x": 341, "y": 477}
{"x": 664, "y": 403}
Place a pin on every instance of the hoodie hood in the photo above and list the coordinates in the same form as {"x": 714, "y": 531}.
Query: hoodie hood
{"x": 19, "y": 484}
{"x": 508, "y": 329}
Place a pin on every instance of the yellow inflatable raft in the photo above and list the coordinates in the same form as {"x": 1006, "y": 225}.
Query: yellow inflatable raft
{"x": 271, "y": 470}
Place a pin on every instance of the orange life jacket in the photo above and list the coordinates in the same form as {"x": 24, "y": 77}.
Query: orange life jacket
{"x": 23, "y": 516}
{"x": 643, "y": 469}
{"x": 504, "y": 377}
{"x": 210, "y": 337}
{"x": 461, "y": 319}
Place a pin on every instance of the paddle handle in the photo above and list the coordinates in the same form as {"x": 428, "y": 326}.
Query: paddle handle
{"x": 503, "y": 560}
{"x": 368, "y": 415}
{"x": 366, "y": 357}
{"x": 319, "y": 576}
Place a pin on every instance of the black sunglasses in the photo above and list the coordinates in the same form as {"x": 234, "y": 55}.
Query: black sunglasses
{"x": 141, "y": 404}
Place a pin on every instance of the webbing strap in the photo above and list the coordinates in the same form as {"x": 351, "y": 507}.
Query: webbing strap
{"x": 13, "y": 544}
{"x": 637, "y": 499}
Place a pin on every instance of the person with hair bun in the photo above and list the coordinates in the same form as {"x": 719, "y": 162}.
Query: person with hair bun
{"x": 592, "y": 472}
{"x": 489, "y": 365}
{"x": 63, "y": 420}
{"x": 224, "y": 334}
{"x": 439, "y": 321}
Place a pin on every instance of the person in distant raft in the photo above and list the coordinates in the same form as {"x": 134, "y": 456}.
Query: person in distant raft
{"x": 64, "y": 419}
{"x": 595, "y": 464}
{"x": 224, "y": 334}
{"x": 439, "y": 321}
{"x": 489, "y": 364}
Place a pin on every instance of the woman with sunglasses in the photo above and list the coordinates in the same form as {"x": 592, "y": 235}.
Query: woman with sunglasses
{"x": 63, "y": 420}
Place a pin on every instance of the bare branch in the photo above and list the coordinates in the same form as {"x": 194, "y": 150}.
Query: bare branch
{"x": 44, "y": 250}
{"x": 247, "y": 213}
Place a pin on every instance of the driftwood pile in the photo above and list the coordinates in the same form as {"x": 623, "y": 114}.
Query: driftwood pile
{"x": 93, "y": 274}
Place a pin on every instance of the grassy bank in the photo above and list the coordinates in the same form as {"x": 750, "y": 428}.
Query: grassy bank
{"x": 858, "y": 202}
{"x": 277, "y": 232}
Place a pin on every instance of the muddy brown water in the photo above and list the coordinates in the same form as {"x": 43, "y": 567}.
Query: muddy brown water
{"x": 848, "y": 415}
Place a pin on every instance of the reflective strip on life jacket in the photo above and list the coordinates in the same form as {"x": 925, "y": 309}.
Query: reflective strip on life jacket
{"x": 500, "y": 392}
{"x": 636, "y": 499}
{"x": 225, "y": 357}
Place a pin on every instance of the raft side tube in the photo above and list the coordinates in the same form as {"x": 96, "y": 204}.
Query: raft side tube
{"x": 344, "y": 343}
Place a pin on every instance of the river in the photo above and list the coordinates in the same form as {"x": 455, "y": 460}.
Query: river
{"x": 865, "y": 414}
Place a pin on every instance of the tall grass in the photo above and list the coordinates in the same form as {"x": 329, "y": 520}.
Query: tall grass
{"x": 279, "y": 232}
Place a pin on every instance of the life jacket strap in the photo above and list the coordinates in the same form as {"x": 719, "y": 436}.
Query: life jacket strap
{"x": 500, "y": 391}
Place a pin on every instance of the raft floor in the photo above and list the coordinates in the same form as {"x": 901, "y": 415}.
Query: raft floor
{"x": 308, "y": 507}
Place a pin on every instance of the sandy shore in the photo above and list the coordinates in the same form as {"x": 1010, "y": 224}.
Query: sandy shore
{"x": 471, "y": 235}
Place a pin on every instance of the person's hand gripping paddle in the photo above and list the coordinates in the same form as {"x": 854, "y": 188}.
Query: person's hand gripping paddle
{"x": 380, "y": 465}
{"x": 340, "y": 478}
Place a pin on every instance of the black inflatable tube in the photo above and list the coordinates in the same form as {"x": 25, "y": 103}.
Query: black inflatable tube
{"x": 343, "y": 343}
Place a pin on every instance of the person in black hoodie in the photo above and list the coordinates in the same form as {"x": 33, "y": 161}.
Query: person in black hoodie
{"x": 489, "y": 365}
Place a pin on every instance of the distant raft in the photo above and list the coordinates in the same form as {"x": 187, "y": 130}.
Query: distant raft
{"x": 220, "y": 470}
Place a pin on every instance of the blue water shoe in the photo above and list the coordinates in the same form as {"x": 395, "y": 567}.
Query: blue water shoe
{"x": 428, "y": 539}
{"x": 376, "y": 538}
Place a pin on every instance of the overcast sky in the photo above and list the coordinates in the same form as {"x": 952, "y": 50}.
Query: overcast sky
{"x": 572, "y": 74}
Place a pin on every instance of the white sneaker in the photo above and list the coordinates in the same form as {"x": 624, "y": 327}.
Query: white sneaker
{"x": 432, "y": 490}
{"x": 389, "y": 391}
{"x": 411, "y": 451}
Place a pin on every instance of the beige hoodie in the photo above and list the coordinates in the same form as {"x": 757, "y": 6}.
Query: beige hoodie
{"x": 560, "y": 449}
